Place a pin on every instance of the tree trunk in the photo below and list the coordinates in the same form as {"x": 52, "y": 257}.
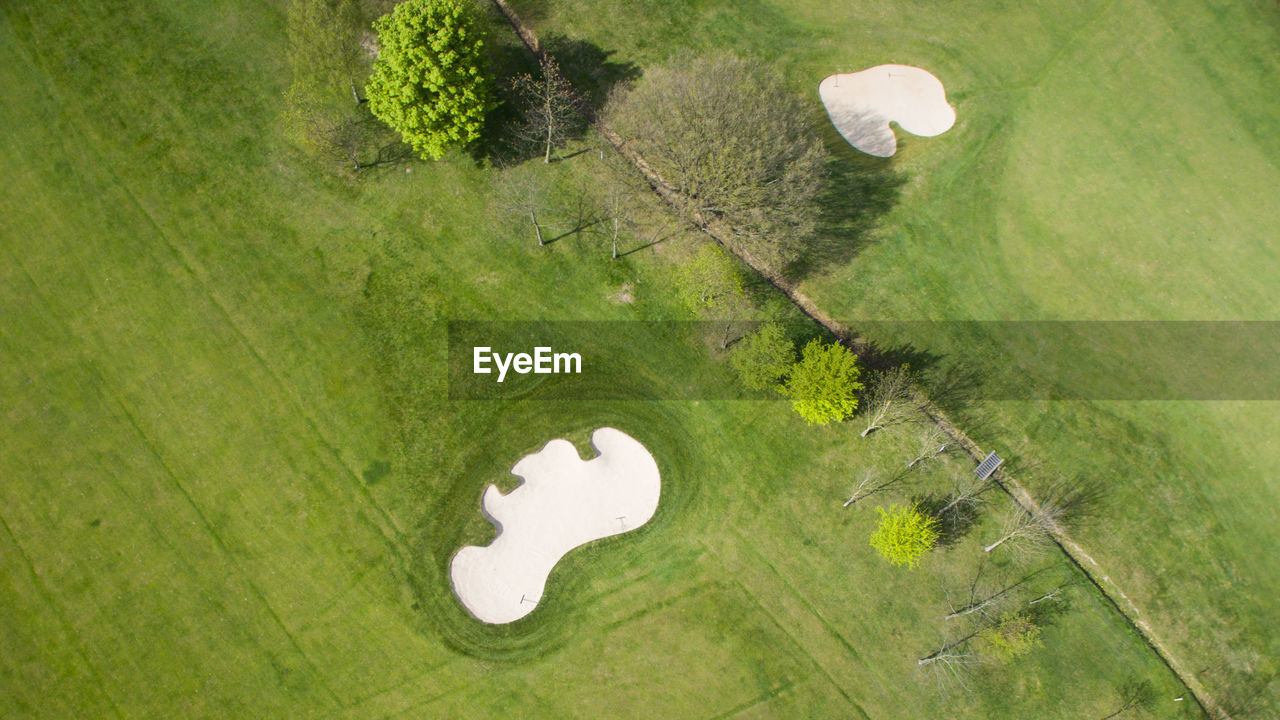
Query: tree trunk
{"x": 942, "y": 650}
{"x": 949, "y": 505}
{"x": 615, "y": 237}
{"x": 551, "y": 128}
{"x": 537, "y": 229}
{"x": 997, "y": 543}
{"x": 867, "y": 432}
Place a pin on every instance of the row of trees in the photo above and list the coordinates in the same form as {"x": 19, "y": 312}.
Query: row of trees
{"x": 994, "y": 619}
{"x": 735, "y": 144}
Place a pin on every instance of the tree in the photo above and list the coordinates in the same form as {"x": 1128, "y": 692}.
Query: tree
{"x": 709, "y": 284}
{"x": 763, "y": 357}
{"x": 889, "y": 400}
{"x": 966, "y": 490}
{"x": 934, "y": 441}
{"x": 521, "y": 195}
{"x": 734, "y": 143}
{"x": 985, "y": 600}
{"x": 1015, "y": 635}
{"x": 823, "y": 386}
{"x": 428, "y": 82}
{"x": 904, "y": 534}
{"x": 873, "y": 482}
{"x": 1133, "y": 695}
{"x": 551, "y": 108}
{"x": 1026, "y": 527}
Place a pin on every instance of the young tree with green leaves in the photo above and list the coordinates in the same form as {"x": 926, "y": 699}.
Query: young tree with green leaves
{"x": 904, "y": 534}
{"x": 824, "y": 386}
{"x": 429, "y": 82}
{"x": 763, "y": 357}
{"x": 1015, "y": 635}
{"x": 710, "y": 285}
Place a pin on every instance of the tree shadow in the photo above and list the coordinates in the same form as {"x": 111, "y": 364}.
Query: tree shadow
{"x": 585, "y": 65}
{"x": 859, "y": 190}
{"x": 659, "y": 238}
{"x": 954, "y": 524}
{"x": 498, "y": 146}
{"x": 589, "y": 68}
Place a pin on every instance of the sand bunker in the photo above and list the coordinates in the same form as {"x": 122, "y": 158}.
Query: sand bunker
{"x": 862, "y": 105}
{"x": 563, "y": 502}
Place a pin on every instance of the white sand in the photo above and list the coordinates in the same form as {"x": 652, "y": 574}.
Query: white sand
{"x": 862, "y": 105}
{"x": 563, "y": 502}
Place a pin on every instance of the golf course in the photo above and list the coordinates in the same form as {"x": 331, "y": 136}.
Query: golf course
{"x": 238, "y": 457}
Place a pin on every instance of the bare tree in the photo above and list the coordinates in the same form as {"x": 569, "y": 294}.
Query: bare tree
{"x": 873, "y": 482}
{"x": 325, "y": 60}
{"x": 1053, "y": 593}
{"x": 889, "y": 400}
{"x": 552, "y": 110}
{"x": 987, "y": 601}
{"x": 1026, "y": 527}
{"x": 934, "y": 441}
{"x": 966, "y": 490}
{"x": 521, "y": 194}
{"x": 617, "y": 215}
{"x": 950, "y": 661}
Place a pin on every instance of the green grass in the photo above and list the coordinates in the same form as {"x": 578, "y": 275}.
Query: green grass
{"x": 1111, "y": 160}
{"x": 233, "y": 479}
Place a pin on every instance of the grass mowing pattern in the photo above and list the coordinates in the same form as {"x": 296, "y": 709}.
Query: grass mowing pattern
{"x": 233, "y": 480}
{"x": 1108, "y": 162}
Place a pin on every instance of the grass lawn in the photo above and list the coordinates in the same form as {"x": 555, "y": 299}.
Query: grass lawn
{"x": 1111, "y": 160}
{"x": 234, "y": 479}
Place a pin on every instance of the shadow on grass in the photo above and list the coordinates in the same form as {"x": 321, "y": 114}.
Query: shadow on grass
{"x": 585, "y": 65}
{"x": 589, "y": 68}
{"x": 860, "y": 189}
{"x": 954, "y": 523}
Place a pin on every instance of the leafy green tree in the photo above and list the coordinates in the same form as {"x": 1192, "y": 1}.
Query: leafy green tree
{"x": 1013, "y": 636}
{"x": 428, "y": 82}
{"x": 763, "y": 357}
{"x": 904, "y": 534}
{"x": 824, "y": 386}
{"x": 710, "y": 285}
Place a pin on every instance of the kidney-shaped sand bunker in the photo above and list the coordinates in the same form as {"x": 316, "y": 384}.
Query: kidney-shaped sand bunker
{"x": 564, "y": 502}
{"x": 862, "y": 105}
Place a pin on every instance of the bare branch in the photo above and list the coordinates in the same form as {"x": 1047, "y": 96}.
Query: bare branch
{"x": 873, "y": 482}
{"x": 552, "y": 110}
{"x": 934, "y": 441}
{"x": 888, "y": 402}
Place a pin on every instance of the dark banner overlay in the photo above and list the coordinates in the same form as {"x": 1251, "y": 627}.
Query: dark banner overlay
{"x": 968, "y": 360}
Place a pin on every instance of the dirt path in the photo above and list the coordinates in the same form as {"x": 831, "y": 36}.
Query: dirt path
{"x": 1074, "y": 552}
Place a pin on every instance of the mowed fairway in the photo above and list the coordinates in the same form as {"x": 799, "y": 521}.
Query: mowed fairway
{"x": 1111, "y": 160}
{"x": 232, "y": 478}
